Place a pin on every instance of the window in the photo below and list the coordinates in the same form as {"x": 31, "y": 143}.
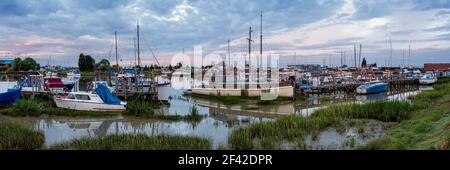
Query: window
{"x": 83, "y": 97}
{"x": 71, "y": 96}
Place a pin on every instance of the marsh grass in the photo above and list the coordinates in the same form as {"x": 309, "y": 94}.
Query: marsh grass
{"x": 268, "y": 135}
{"x": 36, "y": 107}
{"x": 136, "y": 142}
{"x": 427, "y": 128}
{"x": 16, "y": 137}
{"x": 387, "y": 111}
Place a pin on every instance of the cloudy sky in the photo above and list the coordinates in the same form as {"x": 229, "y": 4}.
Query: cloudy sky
{"x": 315, "y": 31}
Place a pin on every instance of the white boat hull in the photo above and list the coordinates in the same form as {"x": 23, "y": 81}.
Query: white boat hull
{"x": 426, "y": 82}
{"x": 87, "y": 106}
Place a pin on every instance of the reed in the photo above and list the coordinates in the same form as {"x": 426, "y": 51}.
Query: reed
{"x": 137, "y": 142}
{"x": 139, "y": 108}
{"x": 15, "y": 137}
{"x": 388, "y": 111}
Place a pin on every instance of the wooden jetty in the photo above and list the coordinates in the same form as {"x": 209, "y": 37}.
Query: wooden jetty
{"x": 351, "y": 87}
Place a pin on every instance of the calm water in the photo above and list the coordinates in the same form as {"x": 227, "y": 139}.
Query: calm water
{"x": 220, "y": 120}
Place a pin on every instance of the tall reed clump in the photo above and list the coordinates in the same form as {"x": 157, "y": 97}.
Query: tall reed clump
{"x": 137, "y": 142}
{"x": 139, "y": 108}
{"x": 194, "y": 115}
{"x": 387, "y": 111}
{"x": 15, "y": 137}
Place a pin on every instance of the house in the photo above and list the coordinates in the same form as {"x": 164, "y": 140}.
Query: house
{"x": 441, "y": 69}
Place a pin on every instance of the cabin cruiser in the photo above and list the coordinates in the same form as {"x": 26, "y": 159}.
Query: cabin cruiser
{"x": 427, "y": 79}
{"x": 372, "y": 87}
{"x": 102, "y": 100}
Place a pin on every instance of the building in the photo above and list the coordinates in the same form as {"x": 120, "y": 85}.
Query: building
{"x": 441, "y": 69}
{"x": 5, "y": 64}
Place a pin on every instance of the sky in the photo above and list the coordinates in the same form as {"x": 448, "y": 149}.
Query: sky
{"x": 300, "y": 31}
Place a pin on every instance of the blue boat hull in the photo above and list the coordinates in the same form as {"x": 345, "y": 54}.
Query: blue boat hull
{"x": 375, "y": 88}
{"x": 9, "y": 97}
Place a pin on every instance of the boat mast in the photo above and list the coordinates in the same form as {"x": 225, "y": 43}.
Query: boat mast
{"x": 247, "y": 69}
{"x": 409, "y": 54}
{"x": 359, "y": 59}
{"x": 117, "y": 58}
{"x": 260, "y": 51}
{"x": 390, "y": 45}
{"x": 138, "y": 45}
{"x": 229, "y": 56}
{"x": 354, "y": 54}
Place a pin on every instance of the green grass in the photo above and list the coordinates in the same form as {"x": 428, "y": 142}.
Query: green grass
{"x": 268, "y": 135}
{"x": 15, "y": 137}
{"x": 145, "y": 109}
{"x": 36, "y": 107}
{"x": 137, "y": 142}
{"x": 427, "y": 128}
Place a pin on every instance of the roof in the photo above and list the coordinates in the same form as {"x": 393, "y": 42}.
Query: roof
{"x": 8, "y": 62}
{"x": 436, "y": 66}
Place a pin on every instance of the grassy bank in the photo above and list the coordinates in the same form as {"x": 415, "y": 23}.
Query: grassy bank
{"x": 137, "y": 142}
{"x": 144, "y": 109}
{"x": 294, "y": 129}
{"x": 15, "y": 137}
{"x": 427, "y": 128}
{"x": 36, "y": 107}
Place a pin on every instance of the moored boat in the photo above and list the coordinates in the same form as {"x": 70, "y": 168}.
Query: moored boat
{"x": 102, "y": 100}
{"x": 372, "y": 87}
{"x": 9, "y": 94}
{"x": 427, "y": 79}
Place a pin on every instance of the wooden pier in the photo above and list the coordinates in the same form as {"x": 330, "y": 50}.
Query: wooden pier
{"x": 351, "y": 87}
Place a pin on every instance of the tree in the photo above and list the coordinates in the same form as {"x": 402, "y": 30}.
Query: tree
{"x": 86, "y": 63}
{"x": 16, "y": 64}
{"x": 103, "y": 65}
{"x": 364, "y": 63}
{"x": 25, "y": 65}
